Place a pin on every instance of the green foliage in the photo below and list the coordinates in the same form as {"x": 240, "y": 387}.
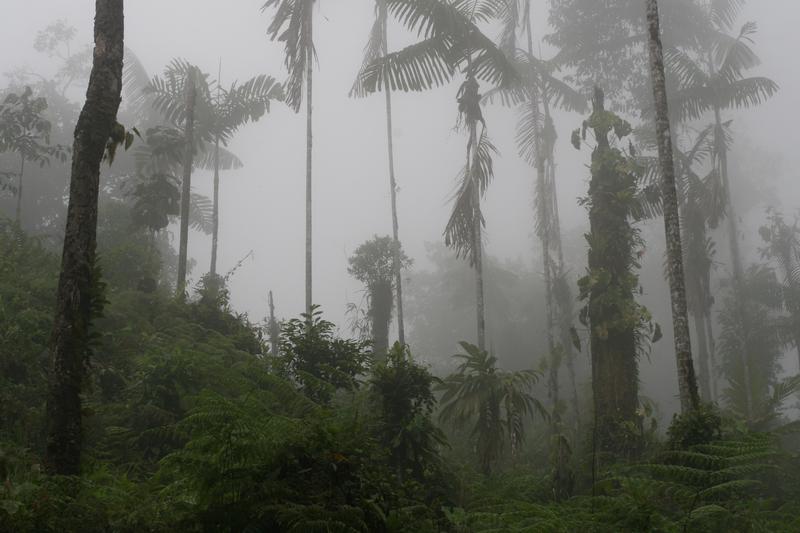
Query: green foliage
{"x": 320, "y": 362}
{"x": 403, "y": 389}
{"x": 698, "y": 426}
{"x": 494, "y": 403}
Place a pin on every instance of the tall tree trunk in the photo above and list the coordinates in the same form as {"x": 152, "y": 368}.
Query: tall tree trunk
{"x": 215, "y": 212}
{"x": 398, "y": 277}
{"x": 702, "y": 359}
{"x": 711, "y": 353}
{"x": 543, "y": 230}
{"x": 309, "y": 153}
{"x": 687, "y": 381}
{"x": 274, "y": 329}
{"x": 19, "y": 189}
{"x": 77, "y": 281}
{"x": 477, "y": 242}
{"x": 380, "y": 311}
{"x": 733, "y": 241}
{"x": 186, "y": 193}
{"x": 608, "y": 286}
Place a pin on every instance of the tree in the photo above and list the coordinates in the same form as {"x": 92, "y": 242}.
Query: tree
{"x": 463, "y": 230}
{"x": 403, "y": 390}
{"x": 317, "y": 360}
{"x": 215, "y": 119}
{"x": 293, "y": 24}
{"x": 712, "y": 79}
{"x": 493, "y": 402}
{"x": 78, "y": 286}
{"x": 536, "y": 139}
{"x": 680, "y": 318}
{"x": 186, "y": 180}
{"x": 378, "y": 46}
{"x": 618, "y": 324}
{"x": 782, "y": 247}
{"x": 230, "y": 110}
{"x": 373, "y": 264}
{"x": 452, "y": 42}
{"x": 24, "y": 130}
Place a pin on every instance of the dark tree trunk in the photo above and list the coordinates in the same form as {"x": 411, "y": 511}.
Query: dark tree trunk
{"x": 687, "y": 382}
{"x": 77, "y": 282}
{"x": 274, "y": 329}
{"x": 615, "y": 374}
{"x": 381, "y": 313}
{"x": 186, "y": 192}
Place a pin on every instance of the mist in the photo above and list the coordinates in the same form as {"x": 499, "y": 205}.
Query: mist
{"x": 262, "y": 204}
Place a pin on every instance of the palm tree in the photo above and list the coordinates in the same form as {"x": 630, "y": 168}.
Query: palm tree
{"x": 536, "y": 139}
{"x": 186, "y": 181}
{"x": 680, "y": 317}
{"x": 378, "y": 46}
{"x": 450, "y": 42}
{"x": 215, "y": 119}
{"x": 293, "y": 24}
{"x": 712, "y": 79}
{"x": 230, "y": 110}
{"x": 493, "y": 402}
{"x": 77, "y": 298}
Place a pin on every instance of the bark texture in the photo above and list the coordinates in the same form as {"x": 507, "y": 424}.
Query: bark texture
{"x": 687, "y": 382}
{"x": 186, "y": 192}
{"x": 77, "y": 283}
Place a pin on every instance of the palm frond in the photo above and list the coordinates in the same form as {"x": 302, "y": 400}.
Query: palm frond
{"x": 201, "y": 213}
{"x": 466, "y": 214}
{"x": 292, "y": 25}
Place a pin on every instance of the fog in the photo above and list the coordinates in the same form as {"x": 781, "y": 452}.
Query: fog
{"x": 262, "y": 204}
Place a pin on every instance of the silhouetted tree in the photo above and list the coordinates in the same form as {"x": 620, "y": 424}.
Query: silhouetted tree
{"x": 78, "y": 296}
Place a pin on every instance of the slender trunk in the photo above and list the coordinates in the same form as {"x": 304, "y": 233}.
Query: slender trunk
{"x": 702, "y": 345}
{"x": 381, "y": 313}
{"x": 274, "y": 330}
{"x": 543, "y": 204}
{"x": 77, "y": 282}
{"x": 186, "y": 193}
{"x": 398, "y": 277}
{"x": 477, "y": 243}
{"x": 736, "y": 258}
{"x": 215, "y": 213}
{"x": 711, "y": 353}
{"x": 19, "y": 189}
{"x": 309, "y": 152}
{"x": 680, "y": 318}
